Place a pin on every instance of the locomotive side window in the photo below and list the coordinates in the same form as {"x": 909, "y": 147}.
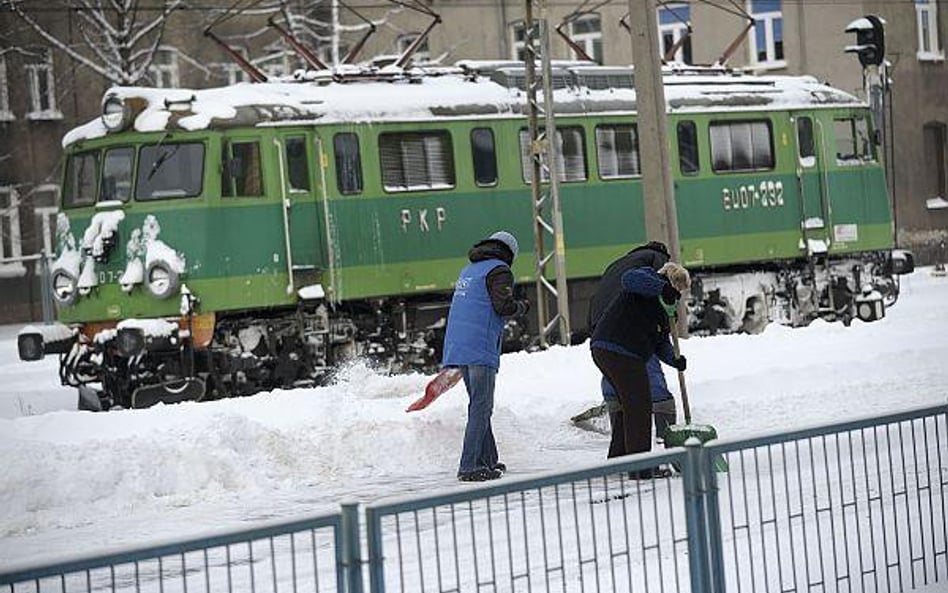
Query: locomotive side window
{"x": 570, "y": 155}
{"x": 618, "y": 151}
{"x": 117, "y": 175}
{"x": 348, "y": 163}
{"x": 297, "y": 165}
{"x": 81, "y": 176}
{"x": 241, "y": 174}
{"x": 807, "y": 148}
{"x": 485, "y": 157}
{"x": 688, "y": 147}
{"x": 170, "y": 171}
{"x": 853, "y": 144}
{"x": 741, "y": 146}
{"x": 416, "y": 161}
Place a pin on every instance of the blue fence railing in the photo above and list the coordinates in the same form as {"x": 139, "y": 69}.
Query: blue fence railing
{"x": 860, "y": 506}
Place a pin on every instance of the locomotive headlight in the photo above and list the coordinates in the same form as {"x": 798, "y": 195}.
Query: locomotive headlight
{"x": 161, "y": 281}
{"x": 114, "y": 113}
{"x": 64, "y": 287}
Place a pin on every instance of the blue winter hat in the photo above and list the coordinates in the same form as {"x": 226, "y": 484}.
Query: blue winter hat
{"x": 507, "y": 239}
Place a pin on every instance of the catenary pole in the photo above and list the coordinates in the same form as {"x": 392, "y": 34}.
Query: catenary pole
{"x": 658, "y": 188}
{"x": 661, "y": 220}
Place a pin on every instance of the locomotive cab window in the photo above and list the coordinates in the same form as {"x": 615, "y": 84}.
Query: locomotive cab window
{"x": 241, "y": 174}
{"x": 297, "y": 165}
{"x": 416, "y": 161}
{"x": 853, "y": 143}
{"x": 805, "y": 145}
{"x": 741, "y": 146}
{"x": 117, "y": 175}
{"x": 348, "y": 163}
{"x": 167, "y": 171}
{"x": 570, "y": 155}
{"x": 617, "y": 149}
{"x": 484, "y": 156}
{"x": 688, "y": 147}
{"x": 82, "y": 171}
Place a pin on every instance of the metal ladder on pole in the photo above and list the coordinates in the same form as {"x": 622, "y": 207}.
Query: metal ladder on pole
{"x": 544, "y": 181}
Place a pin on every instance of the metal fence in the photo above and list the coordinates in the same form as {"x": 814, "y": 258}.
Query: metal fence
{"x": 301, "y": 556}
{"x": 854, "y": 507}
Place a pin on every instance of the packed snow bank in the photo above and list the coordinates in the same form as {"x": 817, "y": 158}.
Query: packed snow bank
{"x": 136, "y": 475}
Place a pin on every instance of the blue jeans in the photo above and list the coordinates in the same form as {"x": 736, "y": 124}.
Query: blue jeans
{"x": 480, "y": 450}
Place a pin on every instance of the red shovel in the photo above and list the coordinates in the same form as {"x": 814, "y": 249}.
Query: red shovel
{"x": 443, "y": 381}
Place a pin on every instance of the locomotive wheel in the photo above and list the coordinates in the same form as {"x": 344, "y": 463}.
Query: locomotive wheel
{"x": 170, "y": 392}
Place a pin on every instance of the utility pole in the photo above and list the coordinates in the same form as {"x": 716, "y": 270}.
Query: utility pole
{"x": 544, "y": 183}
{"x": 661, "y": 217}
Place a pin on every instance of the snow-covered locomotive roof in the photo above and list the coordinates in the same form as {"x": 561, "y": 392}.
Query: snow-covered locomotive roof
{"x": 470, "y": 89}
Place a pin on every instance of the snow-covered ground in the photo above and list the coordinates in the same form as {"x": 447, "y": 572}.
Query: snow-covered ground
{"x": 73, "y": 482}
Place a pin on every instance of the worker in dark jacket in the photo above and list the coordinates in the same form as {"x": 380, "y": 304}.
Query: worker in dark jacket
{"x": 630, "y": 329}
{"x": 483, "y": 296}
{"x": 654, "y": 255}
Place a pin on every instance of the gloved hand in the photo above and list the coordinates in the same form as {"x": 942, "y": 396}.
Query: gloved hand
{"x": 670, "y": 294}
{"x": 680, "y": 362}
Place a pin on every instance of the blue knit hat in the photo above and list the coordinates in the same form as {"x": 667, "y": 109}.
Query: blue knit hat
{"x": 508, "y": 240}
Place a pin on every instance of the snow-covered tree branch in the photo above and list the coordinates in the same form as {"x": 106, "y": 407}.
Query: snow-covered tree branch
{"x": 117, "y": 39}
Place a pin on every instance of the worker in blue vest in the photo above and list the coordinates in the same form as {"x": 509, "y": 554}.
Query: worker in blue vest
{"x": 483, "y": 296}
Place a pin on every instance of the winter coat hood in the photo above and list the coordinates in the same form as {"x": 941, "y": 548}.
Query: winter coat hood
{"x": 490, "y": 249}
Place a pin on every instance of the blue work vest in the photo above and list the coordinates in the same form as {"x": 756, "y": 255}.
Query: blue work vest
{"x": 474, "y": 328}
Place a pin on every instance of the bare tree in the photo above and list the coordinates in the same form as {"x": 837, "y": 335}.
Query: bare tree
{"x": 119, "y": 38}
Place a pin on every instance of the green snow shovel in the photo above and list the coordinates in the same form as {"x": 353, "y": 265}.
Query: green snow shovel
{"x": 677, "y": 434}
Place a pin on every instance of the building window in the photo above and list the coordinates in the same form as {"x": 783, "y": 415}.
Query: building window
{"x": 416, "y": 161}
{"x": 570, "y": 155}
{"x": 673, "y": 25}
{"x": 39, "y": 71}
{"x": 935, "y": 138}
{"x": 767, "y": 49}
{"x": 518, "y": 41}
{"x": 5, "y": 113}
{"x": 926, "y": 14}
{"x": 586, "y": 31}
{"x": 10, "y": 238}
{"x": 853, "y": 144}
{"x": 297, "y": 164}
{"x": 618, "y": 151}
{"x": 164, "y": 68}
{"x": 422, "y": 53}
{"x": 688, "y": 147}
{"x": 348, "y": 163}
{"x": 484, "y": 156}
{"x": 741, "y": 146}
{"x": 45, "y": 199}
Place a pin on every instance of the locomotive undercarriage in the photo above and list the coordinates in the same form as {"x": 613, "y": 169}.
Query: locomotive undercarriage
{"x": 259, "y": 351}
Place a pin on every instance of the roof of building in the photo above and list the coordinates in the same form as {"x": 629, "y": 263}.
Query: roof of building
{"x": 470, "y": 89}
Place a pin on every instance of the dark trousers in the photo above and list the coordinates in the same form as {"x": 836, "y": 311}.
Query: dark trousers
{"x": 632, "y": 429}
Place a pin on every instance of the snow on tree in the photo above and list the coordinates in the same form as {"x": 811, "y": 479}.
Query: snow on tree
{"x": 119, "y": 38}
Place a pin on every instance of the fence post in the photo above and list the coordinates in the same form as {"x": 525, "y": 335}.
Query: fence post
{"x": 352, "y": 547}
{"x": 373, "y": 530}
{"x": 713, "y": 521}
{"x": 695, "y": 518}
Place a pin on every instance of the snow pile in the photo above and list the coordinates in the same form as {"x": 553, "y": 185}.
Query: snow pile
{"x": 138, "y": 475}
{"x": 101, "y": 228}
{"x": 53, "y": 332}
{"x": 156, "y": 249}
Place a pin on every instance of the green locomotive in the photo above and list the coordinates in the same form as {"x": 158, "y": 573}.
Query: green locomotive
{"x": 221, "y": 242}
